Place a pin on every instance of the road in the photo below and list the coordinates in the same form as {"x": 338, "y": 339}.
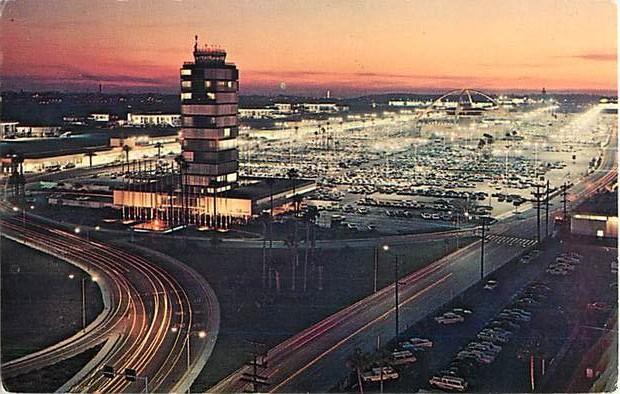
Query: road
{"x": 314, "y": 359}
{"x": 142, "y": 303}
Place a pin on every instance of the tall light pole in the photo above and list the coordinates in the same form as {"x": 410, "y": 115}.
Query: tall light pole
{"x": 396, "y": 320}
{"x": 376, "y": 268}
{"x": 16, "y": 209}
{"x": 83, "y": 280}
{"x": 484, "y": 223}
{"x": 200, "y": 334}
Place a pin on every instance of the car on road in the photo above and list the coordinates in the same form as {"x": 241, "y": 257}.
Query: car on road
{"x": 598, "y": 306}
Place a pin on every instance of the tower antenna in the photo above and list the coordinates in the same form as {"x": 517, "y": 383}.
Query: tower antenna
{"x": 196, "y": 42}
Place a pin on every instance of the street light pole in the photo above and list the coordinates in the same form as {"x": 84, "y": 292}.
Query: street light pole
{"x": 396, "y": 320}
{"x": 396, "y": 295}
{"x": 83, "y": 305}
{"x": 376, "y": 269}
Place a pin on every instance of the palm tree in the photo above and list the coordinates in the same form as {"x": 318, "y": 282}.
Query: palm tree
{"x": 293, "y": 174}
{"x": 159, "y": 145}
{"x": 90, "y": 155}
{"x": 214, "y": 183}
{"x": 291, "y": 243}
{"x": 126, "y": 149}
{"x": 358, "y": 361}
{"x": 309, "y": 218}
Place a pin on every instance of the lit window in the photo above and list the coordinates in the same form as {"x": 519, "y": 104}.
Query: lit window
{"x": 227, "y": 132}
{"x": 229, "y": 84}
{"x": 186, "y": 71}
{"x": 186, "y": 84}
{"x": 600, "y": 233}
{"x": 186, "y": 96}
{"x": 208, "y": 84}
{"x": 211, "y": 96}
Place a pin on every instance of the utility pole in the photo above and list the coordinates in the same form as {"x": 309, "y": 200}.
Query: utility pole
{"x": 537, "y": 194}
{"x": 547, "y": 210}
{"x": 259, "y": 359}
{"x": 83, "y": 306}
{"x": 483, "y": 234}
{"x": 564, "y": 200}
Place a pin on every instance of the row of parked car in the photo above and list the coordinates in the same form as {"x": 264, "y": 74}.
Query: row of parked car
{"x": 489, "y": 342}
{"x": 564, "y": 264}
{"x": 529, "y": 256}
{"x": 404, "y": 354}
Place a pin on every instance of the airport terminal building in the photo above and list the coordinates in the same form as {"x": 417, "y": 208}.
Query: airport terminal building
{"x": 203, "y": 187}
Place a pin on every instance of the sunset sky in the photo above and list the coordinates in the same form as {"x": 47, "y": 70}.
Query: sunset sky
{"x": 349, "y": 47}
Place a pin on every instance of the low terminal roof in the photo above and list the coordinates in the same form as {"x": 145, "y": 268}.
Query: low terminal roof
{"x": 258, "y": 188}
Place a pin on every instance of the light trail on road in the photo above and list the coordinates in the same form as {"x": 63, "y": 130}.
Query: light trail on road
{"x": 143, "y": 302}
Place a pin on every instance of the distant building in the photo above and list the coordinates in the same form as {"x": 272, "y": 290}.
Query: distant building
{"x": 153, "y": 119}
{"x": 74, "y": 120}
{"x": 408, "y": 103}
{"x": 257, "y": 113}
{"x": 99, "y": 117}
{"x": 322, "y": 107}
{"x": 12, "y": 130}
{"x": 8, "y": 130}
{"x": 24, "y": 131}
{"x": 284, "y": 108}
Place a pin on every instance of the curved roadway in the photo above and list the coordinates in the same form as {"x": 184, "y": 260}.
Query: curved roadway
{"x": 148, "y": 317}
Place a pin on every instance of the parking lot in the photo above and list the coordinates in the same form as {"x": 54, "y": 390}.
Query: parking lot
{"x": 511, "y": 335}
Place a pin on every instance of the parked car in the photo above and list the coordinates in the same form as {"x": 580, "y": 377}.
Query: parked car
{"x": 421, "y": 343}
{"x": 450, "y": 383}
{"x": 378, "y": 374}
{"x": 490, "y": 285}
{"x": 449, "y": 318}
